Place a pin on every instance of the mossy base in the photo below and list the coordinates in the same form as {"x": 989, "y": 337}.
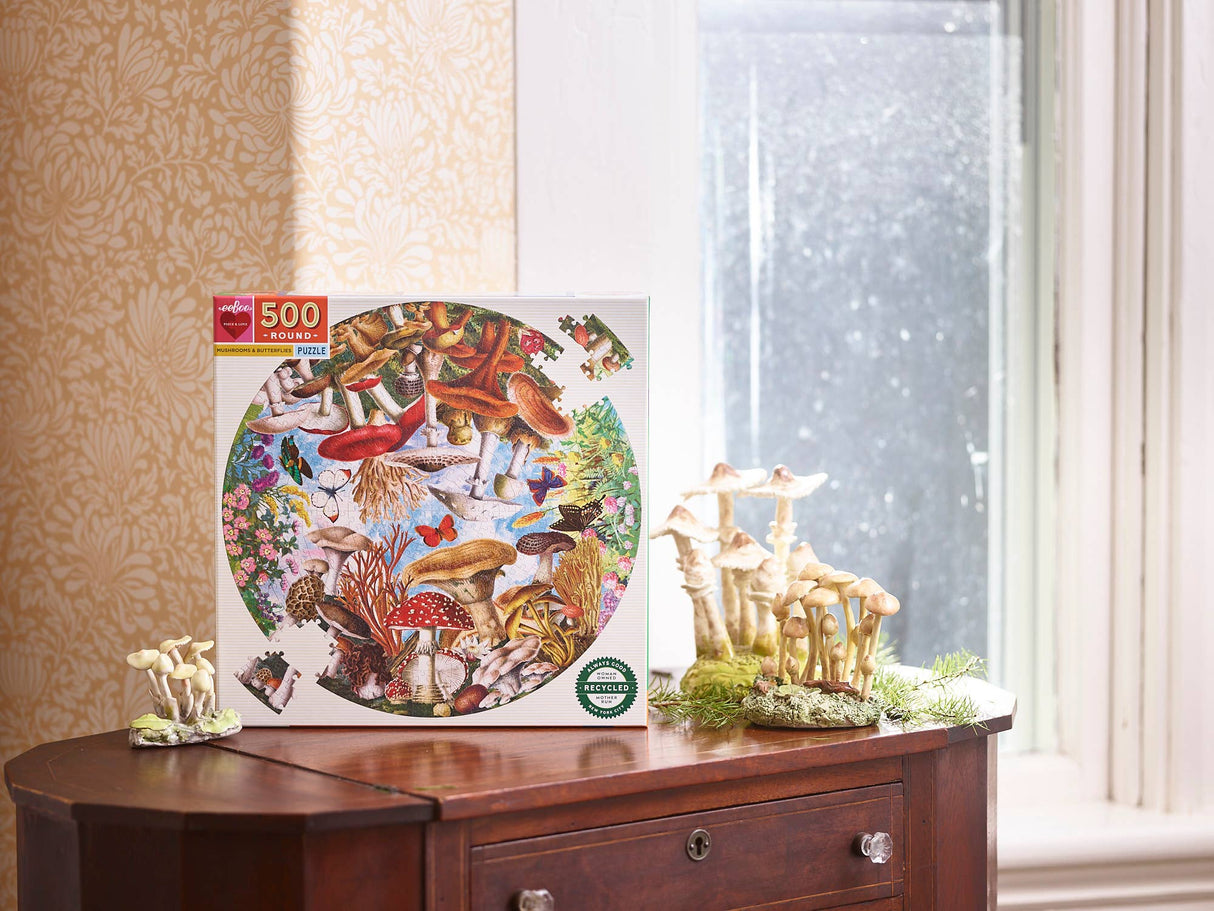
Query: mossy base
{"x": 740, "y": 670}
{"x": 792, "y": 706}
{"x": 153, "y": 731}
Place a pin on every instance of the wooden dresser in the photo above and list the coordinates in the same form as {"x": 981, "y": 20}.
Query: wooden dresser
{"x": 596, "y": 819}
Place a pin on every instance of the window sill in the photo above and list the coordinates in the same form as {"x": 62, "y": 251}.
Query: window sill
{"x": 1099, "y": 855}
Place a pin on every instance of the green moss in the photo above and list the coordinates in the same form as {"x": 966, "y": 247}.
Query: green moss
{"x": 150, "y": 722}
{"x": 219, "y": 722}
{"x": 792, "y": 706}
{"x": 740, "y": 670}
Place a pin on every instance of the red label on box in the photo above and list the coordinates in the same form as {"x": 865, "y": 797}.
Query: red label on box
{"x": 233, "y": 319}
{"x": 291, "y": 320}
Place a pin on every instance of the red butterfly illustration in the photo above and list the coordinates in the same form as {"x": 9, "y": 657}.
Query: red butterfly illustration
{"x": 435, "y": 536}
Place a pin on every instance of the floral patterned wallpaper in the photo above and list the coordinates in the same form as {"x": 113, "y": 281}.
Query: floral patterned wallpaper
{"x": 154, "y": 152}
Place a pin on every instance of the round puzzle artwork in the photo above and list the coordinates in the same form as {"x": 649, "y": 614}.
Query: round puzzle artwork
{"x": 423, "y": 498}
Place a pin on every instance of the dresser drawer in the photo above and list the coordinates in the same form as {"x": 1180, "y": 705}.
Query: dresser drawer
{"x": 799, "y": 851}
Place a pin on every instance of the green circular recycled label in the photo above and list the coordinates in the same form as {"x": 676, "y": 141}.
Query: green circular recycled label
{"x": 606, "y": 687}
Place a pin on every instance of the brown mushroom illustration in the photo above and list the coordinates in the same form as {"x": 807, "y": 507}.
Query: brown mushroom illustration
{"x": 509, "y": 363}
{"x": 430, "y": 459}
{"x": 442, "y": 337}
{"x": 544, "y": 543}
{"x": 338, "y": 542}
{"x": 536, "y": 407}
{"x": 428, "y": 612}
{"x": 468, "y": 573}
{"x": 479, "y": 394}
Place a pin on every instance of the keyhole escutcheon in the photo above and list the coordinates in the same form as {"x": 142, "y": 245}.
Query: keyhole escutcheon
{"x": 699, "y": 843}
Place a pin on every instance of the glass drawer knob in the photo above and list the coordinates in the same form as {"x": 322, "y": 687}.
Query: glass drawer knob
{"x": 878, "y": 847}
{"x": 534, "y": 900}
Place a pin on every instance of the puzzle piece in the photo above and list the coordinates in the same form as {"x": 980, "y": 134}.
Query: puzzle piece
{"x": 607, "y": 353}
{"x": 270, "y": 678}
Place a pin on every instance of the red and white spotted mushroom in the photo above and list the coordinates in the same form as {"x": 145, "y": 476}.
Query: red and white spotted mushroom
{"x": 428, "y": 612}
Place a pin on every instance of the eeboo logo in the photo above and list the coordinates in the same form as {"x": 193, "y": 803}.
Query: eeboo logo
{"x": 606, "y": 687}
{"x": 233, "y": 319}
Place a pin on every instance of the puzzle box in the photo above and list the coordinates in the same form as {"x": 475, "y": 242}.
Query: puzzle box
{"x": 430, "y": 511}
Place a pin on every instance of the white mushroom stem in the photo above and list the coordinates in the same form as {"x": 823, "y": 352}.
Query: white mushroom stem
{"x": 783, "y": 531}
{"x": 428, "y": 693}
{"x": 354, "y": 407}
{"x": 245, "y": 674}
{"x": 486, "y": 621}
{"x": 747, "y": 626}
{"x": 273, "y": 388}
{"x": 729, "y": 591}
{"x": 480, "y": 479}
{"x": 336, "y": 560}
{"x": 431, "y": 364}
{"x": 766, "y": 633}
{"x": 385, "y": 401}
{"x": 396, "y": 316}
{"x": 282, "y": 695}
{"x": 850, "y": 620}
{"x": 326, "y": 401}
{"x": 518, "y": 458}
{"x": 544, "y": 572}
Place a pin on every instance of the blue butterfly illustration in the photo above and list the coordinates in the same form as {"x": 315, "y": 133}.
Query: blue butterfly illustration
{"x": 547, "y": 482}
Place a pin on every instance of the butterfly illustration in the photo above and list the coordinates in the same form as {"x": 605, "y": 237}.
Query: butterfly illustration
{"x": 435, "y": 536}
{"x": 328, "y": 498}
{"x": 577, "y": 518}
{"x": 295, "y": 464}
{"x": 547, "y": 482}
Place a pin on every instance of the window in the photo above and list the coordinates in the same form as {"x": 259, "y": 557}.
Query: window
{"x": 863, "y": 215}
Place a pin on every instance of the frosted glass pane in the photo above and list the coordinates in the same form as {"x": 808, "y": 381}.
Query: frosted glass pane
{"x": 853, "y": 180}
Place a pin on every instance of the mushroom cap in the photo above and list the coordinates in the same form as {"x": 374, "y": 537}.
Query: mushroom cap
{"x": 537, "y": 409}
{"x": 427, "y": 610}
{"x": 830, "y": 624}
{"x": 743, "y": 553}
{"x": 280, "y": 423}
{"x": 341, "y": 618}
{"x": 801, "y": 555}
{"x": 783, "y": 483}
{"x": 472, "y": 399}
{"x": 780, "y": 608}
{"x": 198, "y": 647}
{"x": 364, "y": 369}
{"x": 169, "y": 644}
{"x": 431, "y": 458}
{"x": 815, "y": 571}
{"x": 163, "y": 664}
{"x": 184, "y": 671}
{"x": 726, "y": 479}
{"x": 799, "y": 589}
{"x": 820, "y": 597}
{"x": 204, "y": 665}
{"x": 313, "y": 386}
{"x": 795, "y": 628}
{"x": 868, "y": 665}
{"x": 683, "y": 522}
{"x": 463, "y": 561}
{"x": 354, "y": 444}
{"x": 883, "y": 604}
{"x": 449, "y": 671}
{"x": 862, "y": 588}
{"x": 339, "y": 538}
{"x": 522, "y": 432}
{"x": 143, "y": 659}
{"x": 769, "y": 577}
{"x": 314, "y": 565}
{"x": 337, "y": 420}
{"x": 839, "y": 578}
{"x": 202, "y": 681}
{"x": 506, "y": 658}
{"x": 517, "y": 595}
{"x": 473, "y": 509}
{"x": 545, "y": 542}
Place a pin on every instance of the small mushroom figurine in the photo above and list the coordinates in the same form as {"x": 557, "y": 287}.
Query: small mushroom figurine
{"x": 183, "y": 696}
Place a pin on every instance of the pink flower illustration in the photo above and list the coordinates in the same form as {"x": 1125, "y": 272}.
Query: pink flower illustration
{"x": 625, "y": 564}
{"x": 611, "y": 505}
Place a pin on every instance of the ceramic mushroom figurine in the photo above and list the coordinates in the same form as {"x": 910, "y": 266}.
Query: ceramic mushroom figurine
{"x": 784, "y": 487}
{"x": 183, "y": 697}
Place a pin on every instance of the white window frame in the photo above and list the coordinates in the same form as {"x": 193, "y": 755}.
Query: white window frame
{"x": 1121, "y": 814}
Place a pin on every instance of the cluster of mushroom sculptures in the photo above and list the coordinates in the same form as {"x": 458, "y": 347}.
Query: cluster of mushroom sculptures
{"x": 786, "y": 619}
{"x": 182, "y": 689}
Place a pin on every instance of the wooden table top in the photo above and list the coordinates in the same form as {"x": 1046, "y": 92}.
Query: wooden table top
{"x": 334, "y": 777}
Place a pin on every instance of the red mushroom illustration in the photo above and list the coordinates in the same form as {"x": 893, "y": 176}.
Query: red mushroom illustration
{"x": 428, "y": 612}
{"x": 479, "y": 394}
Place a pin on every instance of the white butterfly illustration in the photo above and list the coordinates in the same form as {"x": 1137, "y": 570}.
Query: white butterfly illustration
{"x": 328, "y": 498}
